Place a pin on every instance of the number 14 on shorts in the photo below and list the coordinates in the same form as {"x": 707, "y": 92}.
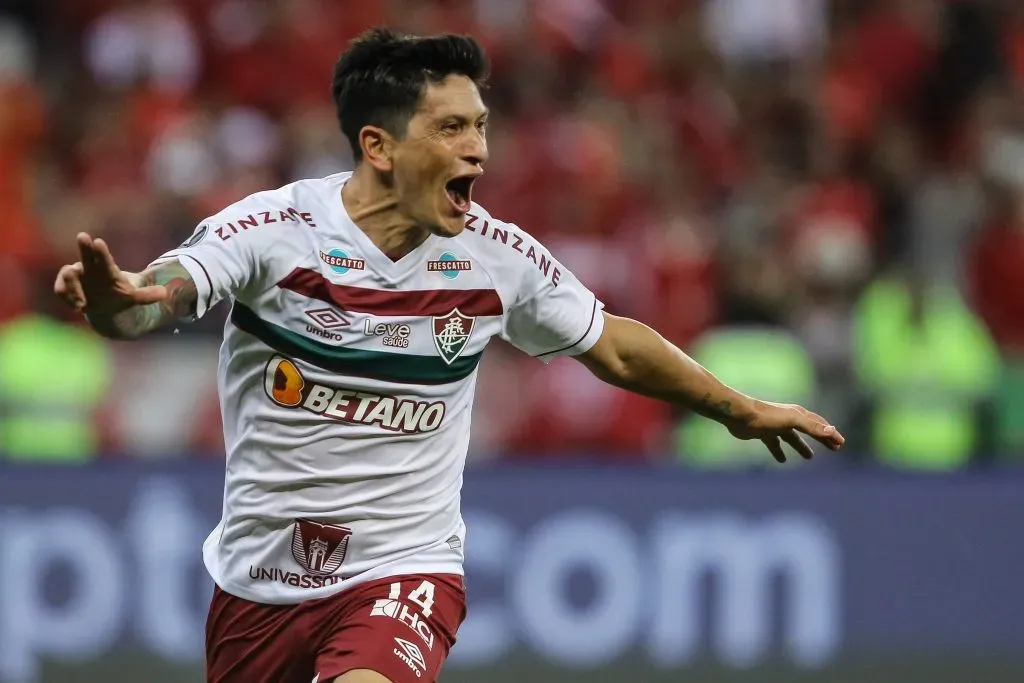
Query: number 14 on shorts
{"x": 404, "y": 610}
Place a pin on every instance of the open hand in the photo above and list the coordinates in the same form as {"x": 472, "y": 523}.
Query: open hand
{"x": 96, "y": 286}
{"x": 775, "y": 423}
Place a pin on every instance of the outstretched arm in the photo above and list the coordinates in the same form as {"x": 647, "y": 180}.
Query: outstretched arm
{"x": 123, "y": 305}
{"x": 632, "y": 356}
{"x": 140, "y": 319}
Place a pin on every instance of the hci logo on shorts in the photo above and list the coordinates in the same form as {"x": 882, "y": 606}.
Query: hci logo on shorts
{"x": 319, "y": 548}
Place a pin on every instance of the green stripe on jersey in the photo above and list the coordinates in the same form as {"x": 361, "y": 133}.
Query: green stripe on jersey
{"x": 381, "y": 365}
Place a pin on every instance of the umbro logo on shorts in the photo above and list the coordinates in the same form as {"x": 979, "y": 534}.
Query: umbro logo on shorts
{"x": 410, "y": 654}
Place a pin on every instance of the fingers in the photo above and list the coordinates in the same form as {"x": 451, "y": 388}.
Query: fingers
{"x": 68, "y": 286}
{"x": 104, "y": 256}
{"x": 95, "y": 255}
{"x": 149, "y": 295}
{"x": 819, "y": 429}
{"x": 85, "y": 250}
{"x": 774, "y": 445}
{"x": 797, "y": 443}
{"x": 828, "y": 435}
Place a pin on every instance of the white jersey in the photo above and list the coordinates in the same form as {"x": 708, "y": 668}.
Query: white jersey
{"x": 346, "y": 383}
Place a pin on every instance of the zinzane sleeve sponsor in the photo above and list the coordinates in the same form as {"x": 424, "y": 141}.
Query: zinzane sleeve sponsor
{"x": 223, "y": 254}
{"x": 555, "y": 314}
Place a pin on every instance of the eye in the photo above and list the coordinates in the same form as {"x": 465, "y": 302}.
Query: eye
{"x": 451, "y": 127}
{"x": 481, "y": 126}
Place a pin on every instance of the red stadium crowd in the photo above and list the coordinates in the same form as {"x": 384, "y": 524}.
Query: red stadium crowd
{"x": 700, "y": 164}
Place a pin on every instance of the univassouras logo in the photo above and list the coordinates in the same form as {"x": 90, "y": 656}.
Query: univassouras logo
{"x": 340, "y": 262}
{"x": 449, "y": 265}
{"x": 318, "y": 548}
{"x": 293, "y": 579}
{"x": 288, "y": 388}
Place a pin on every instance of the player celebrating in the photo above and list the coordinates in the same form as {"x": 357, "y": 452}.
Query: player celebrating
{"x": 360, "y": 306}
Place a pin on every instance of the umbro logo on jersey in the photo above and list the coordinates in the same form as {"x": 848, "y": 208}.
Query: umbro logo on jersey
{"x": 340, "y": 262}
{"x": 449, "y": 265}
{"x": 327, "y": 320}
{"x": 451, "y": 334}
{"x": 410, "y": 654}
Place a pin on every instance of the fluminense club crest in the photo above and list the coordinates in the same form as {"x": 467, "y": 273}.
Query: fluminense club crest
{"x": 319, "y": 548}
{"x": 451, "y": 334}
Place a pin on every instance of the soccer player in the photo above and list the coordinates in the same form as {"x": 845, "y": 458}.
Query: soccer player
{"x": 360, "y": 306}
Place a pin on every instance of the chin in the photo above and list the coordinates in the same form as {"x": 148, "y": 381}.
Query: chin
{"x": 449, "y": 227}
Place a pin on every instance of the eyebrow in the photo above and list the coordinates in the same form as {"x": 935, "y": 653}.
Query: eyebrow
{"x": 486, "y": 113}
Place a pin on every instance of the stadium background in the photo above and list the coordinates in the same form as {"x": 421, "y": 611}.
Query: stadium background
{"x": 822, "y": 200}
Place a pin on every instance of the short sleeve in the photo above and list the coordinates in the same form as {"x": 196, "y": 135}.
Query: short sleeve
{"x": 220, "y": 263}
{"x": 235, "y": 253}
{"x": 556, "y": 315}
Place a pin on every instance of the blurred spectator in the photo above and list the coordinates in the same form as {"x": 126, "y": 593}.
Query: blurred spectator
{"x": 53, "y": 378}
{"x": 22, "y": 126}
{"x": 143, "y": 41}
{"x": 761, "y": 361}
{"x": 997, "y": 273}
{"x": 754, "y": 31}
{"x": 929, "y": 367}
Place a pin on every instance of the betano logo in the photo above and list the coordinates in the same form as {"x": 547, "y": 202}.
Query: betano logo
{"x": 286, "y": 386}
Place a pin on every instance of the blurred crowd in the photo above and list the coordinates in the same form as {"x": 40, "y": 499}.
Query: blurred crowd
{"x": 821, "y": 200}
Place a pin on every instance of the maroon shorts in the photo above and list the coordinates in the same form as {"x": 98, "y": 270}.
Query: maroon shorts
{"x": 402, "y": 627}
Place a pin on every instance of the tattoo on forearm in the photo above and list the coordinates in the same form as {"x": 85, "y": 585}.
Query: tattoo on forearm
{"x": 180, "y": 303}
{"x": 712, "y": 409}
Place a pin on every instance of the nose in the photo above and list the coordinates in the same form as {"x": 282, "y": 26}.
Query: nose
{"x": 475, "y": 151}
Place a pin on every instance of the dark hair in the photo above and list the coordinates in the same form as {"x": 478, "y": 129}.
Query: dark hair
{"x": 380, "y": 78}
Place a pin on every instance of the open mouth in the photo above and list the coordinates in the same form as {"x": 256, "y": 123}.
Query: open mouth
{"x": 459, "y": 191}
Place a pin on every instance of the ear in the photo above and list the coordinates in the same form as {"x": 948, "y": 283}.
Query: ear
{"x": 378, "y": 147}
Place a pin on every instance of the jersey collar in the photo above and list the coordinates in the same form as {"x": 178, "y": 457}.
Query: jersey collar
{"x": 380, "y": 261}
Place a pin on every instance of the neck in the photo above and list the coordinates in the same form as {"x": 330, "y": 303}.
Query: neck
{"x": 373, "y": 207}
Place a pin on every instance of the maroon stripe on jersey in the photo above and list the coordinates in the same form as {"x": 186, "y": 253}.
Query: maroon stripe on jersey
{"x": 415, "y": 302}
